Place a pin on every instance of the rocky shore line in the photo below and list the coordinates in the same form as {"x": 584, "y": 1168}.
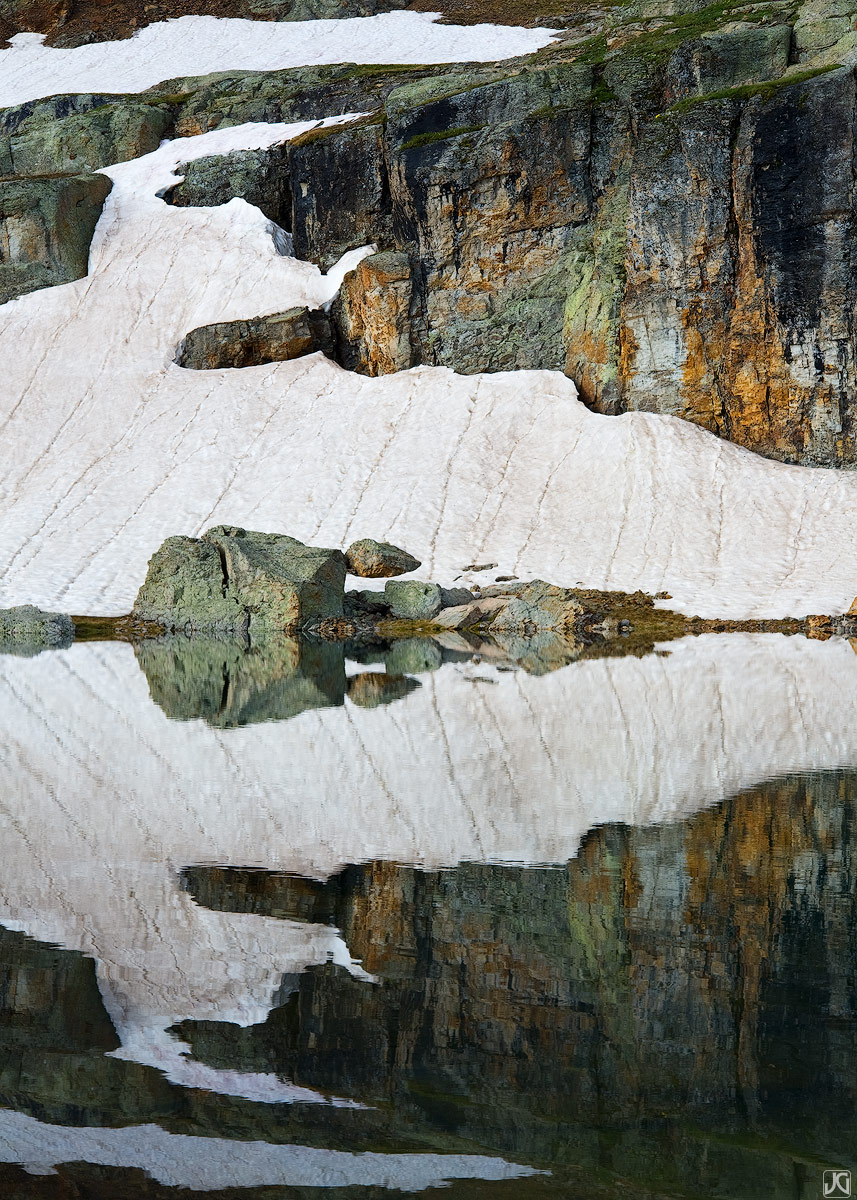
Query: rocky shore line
{"x": 232, "y": 583}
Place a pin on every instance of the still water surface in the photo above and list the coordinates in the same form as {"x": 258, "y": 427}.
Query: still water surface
{"x": 313, "y": 923}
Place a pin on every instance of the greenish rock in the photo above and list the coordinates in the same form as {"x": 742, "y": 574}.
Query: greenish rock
{"x": 726, "y": 58}
{"x": 46, "y": 228}
{"x": 97, "y": 132}
{"x": 371, "y": 689}
{"x": 539, "y": 606}
{"x": 413, "y": 656}
{"x": 261, "y": 177}
{"x": 240, "y": 582}
{"x": 378, "y": 560}
{"x": 27, "y": 630}
{"x": 537, "y": 653}
{"x": 413, "y": 600}
{"x": 277, "y": 337}
{"x": 223, "y": 682}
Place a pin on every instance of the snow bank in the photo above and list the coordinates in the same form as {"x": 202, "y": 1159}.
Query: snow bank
{"x": 107, "y": 447}
{"x": 192, "y": 46}
{"x": 515, "y": 769}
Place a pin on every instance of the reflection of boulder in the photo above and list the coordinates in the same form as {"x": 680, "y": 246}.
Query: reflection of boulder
{"x": 373, "y": 688}
{"x": 226, "y": 684}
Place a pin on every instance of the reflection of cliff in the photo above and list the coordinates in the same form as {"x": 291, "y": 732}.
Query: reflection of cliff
{"x": 687, "y": 990}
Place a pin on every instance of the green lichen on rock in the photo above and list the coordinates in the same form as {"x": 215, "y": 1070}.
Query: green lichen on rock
{"x": 240, "y": 582}
{"x": 46, "y": 227}
{"x": 413, "y": 600}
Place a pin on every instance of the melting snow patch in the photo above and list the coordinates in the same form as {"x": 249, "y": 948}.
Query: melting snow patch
{"x": 194, "y": 46}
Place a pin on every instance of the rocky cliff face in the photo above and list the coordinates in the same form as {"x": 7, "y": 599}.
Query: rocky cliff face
{"x": 671, "y": 251}
{"x": 661, "y": 205}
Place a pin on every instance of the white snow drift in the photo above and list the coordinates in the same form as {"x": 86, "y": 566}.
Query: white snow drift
{"x": 109, "y": 800}
{"x": 194, "y": 46}
{"x": 107, "y": 447}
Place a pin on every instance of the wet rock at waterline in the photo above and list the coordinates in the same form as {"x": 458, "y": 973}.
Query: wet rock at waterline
{"x": 277, "y": 337}
{"x": 235, "y": 581}
{"x": 378, "y": 560}
{"x": 46, "y": 228}
{"x": 27, "y": 630}
{"x": 413, "y": 600}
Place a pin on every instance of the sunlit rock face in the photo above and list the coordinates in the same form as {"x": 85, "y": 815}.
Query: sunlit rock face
{"x": 688, "y": 986}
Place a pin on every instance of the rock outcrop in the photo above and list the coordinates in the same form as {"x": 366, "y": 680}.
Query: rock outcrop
{"x": 274, "y": 338}
{"x": 517, "y": 1007}
{"x": 260, "y": 177}
{"x": 46, "y": 228}
{"x": 239, "y": 582}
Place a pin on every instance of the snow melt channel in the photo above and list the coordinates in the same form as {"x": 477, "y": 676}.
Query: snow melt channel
{"x": 107, "y": 447}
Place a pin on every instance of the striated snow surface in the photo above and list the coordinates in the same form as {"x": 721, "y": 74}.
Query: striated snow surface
{"x": 193, "y": 46}
{"x": 107, "y": 447}
{"x": 111, "y": 799}
{"x": 207, "y": 1163}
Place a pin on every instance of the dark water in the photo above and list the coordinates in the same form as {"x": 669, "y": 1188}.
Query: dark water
{"x": 671, "y": 1010}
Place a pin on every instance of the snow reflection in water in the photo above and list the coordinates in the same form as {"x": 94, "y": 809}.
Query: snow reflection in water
{"x": 684, "y": 932}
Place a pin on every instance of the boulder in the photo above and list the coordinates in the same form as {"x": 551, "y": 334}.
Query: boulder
{"x": 378, "y": 560}
{"x": 473, "y": 615}
{"x": 365, "y": 603}
{"x": 456, "y": 595}
{"x": 46, "y": 227}
{"x": 277, "y": 337}
{"x": 412, "y": 600}
{"x": 235, "y": 581}
{"x": 27, "y": 630}
{"x": 539, "y": 606}
{"x": 261, "y": 177}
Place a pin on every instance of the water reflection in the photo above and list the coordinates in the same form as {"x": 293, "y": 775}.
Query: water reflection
{"x": 673, "y": 1011}
{"x": 669, "y": 1008}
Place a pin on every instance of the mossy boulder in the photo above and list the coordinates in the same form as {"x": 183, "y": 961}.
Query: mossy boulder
{"x": 227, "y": 684}
{"x": 413, "y": 600}
{"x": 236, "y": 581}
